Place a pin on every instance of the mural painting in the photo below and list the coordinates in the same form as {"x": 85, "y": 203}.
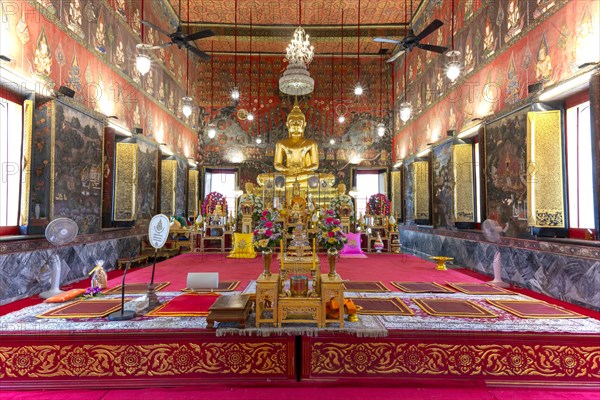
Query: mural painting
{"x": 443, "y": 216}
{"x": 78, "y": 176}
{"x": 506, "y": 172}
{"x": 147, "y": 182}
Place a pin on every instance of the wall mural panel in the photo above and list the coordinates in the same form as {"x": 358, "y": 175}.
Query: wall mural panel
{"x": 126, "y": 180}
{"x": 41, "y": 162}
{"x": 462, "y": 178}
{"x": 77, "y": 168}
{"x": 506, "y": 172}
{"x": 147, "y": 180}
{"x": 192, "y": 200}
{"x": 409, "y": 189}
{"x": 108, "y": 162}
{"x": 421, "y": 193}
{"x": 168, "y": 186}
{"x": 180, "y": 187}
{"x": 396, "y": 193}
{"x": 443, "y": 183}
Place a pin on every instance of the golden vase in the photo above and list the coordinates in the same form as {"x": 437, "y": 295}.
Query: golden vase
{"x": 332, "y": 255}
{"x": 267, "y": 256}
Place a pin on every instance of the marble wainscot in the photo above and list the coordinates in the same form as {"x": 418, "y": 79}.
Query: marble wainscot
{"x": 563, "y": 271}
{"x": 23, "y": 270}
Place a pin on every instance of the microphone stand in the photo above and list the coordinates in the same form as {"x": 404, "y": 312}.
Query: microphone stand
{"x": 123, "y": 315}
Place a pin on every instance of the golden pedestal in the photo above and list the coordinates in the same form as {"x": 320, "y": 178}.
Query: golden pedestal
{"x": 441, "y": 262}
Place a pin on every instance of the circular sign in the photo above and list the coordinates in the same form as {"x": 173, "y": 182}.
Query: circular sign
{"x": 158, "y": 231}
{"x": 313, "y": 182}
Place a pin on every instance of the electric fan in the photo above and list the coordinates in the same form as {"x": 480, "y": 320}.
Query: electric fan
{"x": 59, "y": 232}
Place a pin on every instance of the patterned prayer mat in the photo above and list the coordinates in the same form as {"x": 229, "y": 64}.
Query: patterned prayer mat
{"x": 478, "y": 288}
{"x": 224, "y": 286}
{"x": 186, "y": 305}
{"x": 453, "y": 308}
{"x": 534, "y": 309}
{"x": 84, "y": 309}
{"x": 137, "y": 288}
{"x": 421, "y": 287}
{"x": 365, "y": 287}
{"x": 381, "y": 306}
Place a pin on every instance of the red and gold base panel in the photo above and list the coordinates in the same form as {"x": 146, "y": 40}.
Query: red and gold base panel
{"x": 111, "y": 360}
{"x": 473, "y": 356}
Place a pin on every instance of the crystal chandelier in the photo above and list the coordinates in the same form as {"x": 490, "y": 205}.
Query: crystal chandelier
{"x": 299, "y": 50}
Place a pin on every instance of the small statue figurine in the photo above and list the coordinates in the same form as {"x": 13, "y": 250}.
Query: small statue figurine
{"x": 99, "y": 277}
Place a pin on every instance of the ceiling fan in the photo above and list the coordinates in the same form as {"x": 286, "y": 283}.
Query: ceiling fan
{"x": 181, "y": 40}
{"x": 411, "y": 41}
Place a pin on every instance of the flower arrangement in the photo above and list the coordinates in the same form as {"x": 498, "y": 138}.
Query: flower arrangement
{"x": 256, "y": 202}
{"x": 211, "y": 201}
{"x": 340, "y": 201}
{"x": 331, "y": 237}
{"x": 378, "y": 204}
{"x": 92, "y": 292}
{"x": 268, "y": 231}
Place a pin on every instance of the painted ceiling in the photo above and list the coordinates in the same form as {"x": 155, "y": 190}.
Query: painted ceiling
{"x": 272, "y": 22}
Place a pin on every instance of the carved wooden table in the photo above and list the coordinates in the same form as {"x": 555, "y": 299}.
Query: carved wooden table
{"x": 230, "y": 308}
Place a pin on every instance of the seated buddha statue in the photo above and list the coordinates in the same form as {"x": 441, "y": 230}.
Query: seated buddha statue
{"x": 296, "y": 157}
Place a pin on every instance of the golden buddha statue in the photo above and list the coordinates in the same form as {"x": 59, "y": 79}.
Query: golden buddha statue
{"x": 296, "y": 157}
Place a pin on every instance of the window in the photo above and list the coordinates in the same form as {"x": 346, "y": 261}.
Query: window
{"x": 11, "y": 141}
{"x": 224, "y": 182}
{"x": 579, "y": 171}
{"x": 368, "y": 183}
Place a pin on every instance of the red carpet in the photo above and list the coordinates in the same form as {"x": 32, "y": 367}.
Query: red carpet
{"x": 314, "y": 392}
{"x": 391, "y": 266}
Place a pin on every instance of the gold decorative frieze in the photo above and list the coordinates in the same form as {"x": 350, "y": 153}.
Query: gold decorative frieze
{"x": 396, "y": 197}
{"x": 126, "y": 181}
{"x": 168, "y": 187}
{"x": 545, "y": 194}
{"x": 432, "y": 359}
{"x": 421, "y": 190}
{"x": 169, "y": 359}
{"x": 193, "y": 193}
{"x": 462, "y": 173}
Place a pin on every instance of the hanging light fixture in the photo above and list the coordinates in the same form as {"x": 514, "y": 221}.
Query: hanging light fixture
{"x": 358, "y": 89}
{"x": 380, "y": 125}
{"x": 235, "y": 92}
{"x": 250, "y": 116}
{"x": 405, "y": 107}
{"x": 453, "y": 66}
{"x": 187, "y": 103}
{"x": 341, "y": 114}
{"x": 212, "y": 132}
{"x": 332, "y": 141}
{"x": 142, "y": 61}
{"x": 296, "y": 79}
